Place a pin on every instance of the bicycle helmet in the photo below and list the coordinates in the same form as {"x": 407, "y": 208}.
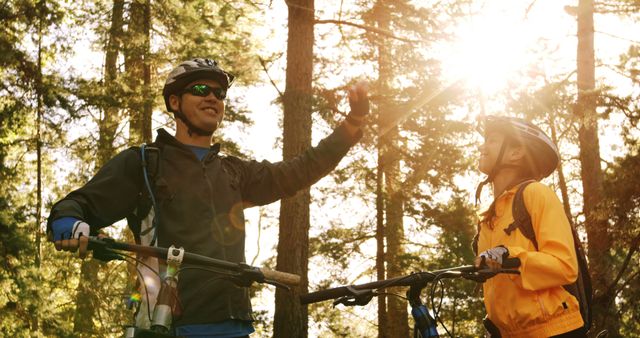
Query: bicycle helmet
{"x": 542, "y": 149}
{"x": 544, "y": 153}
{"x": 187, "y": 72}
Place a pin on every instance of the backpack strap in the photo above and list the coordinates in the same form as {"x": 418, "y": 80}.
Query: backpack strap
{"x": 150, "y": 167}
{"x": 521, "y": 217}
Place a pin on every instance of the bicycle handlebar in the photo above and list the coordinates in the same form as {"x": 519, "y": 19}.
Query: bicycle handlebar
{"x": 466, "y": 271}
{"x": 108, "y": 245}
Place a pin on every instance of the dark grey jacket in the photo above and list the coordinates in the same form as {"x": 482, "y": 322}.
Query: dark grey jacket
{"x": 201, "y": 208}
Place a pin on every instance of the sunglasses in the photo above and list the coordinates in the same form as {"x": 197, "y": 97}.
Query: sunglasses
{"x": 204, "y": 90}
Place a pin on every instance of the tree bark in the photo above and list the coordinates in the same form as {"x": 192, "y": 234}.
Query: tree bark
{"x": 562, "y": 182}
{"x": 86, "y": 301}
{"x": 138, "y": 73}
{"x": 598, "y": 236}
{"x": 147, "y": 110}
{"x": 109, "y": 122}
{"x": 380, "y": 235}
{"x": 397, "y": 317}
{"x": 290, "y": 318}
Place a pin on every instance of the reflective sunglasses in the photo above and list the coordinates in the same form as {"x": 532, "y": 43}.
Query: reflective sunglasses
{"x": 204, "y": 90}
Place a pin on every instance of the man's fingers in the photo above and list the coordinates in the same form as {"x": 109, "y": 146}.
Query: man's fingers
{"x": 58, "y": 245}
{"x": 70, "y": 245}
{"x": 73, "y": 244}
{"x": 83, "y": 242}
{"x": 64, "y": 244}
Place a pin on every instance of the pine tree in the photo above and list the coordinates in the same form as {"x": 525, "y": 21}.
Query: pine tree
{"x": 293, "y": 243}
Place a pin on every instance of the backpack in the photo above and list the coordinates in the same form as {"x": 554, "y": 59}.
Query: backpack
{"x": 581, "y": 288}
{"x": 143, "y": 222}
{"x": 140, "y": 221}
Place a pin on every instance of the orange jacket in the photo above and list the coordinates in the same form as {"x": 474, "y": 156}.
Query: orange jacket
{"x": 534, "y": 303}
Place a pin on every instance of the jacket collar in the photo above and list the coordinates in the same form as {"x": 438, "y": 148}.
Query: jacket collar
{"x": 165, "y": 138}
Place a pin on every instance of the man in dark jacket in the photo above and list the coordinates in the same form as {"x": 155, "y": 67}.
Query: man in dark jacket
{"x": 200, "y": 195}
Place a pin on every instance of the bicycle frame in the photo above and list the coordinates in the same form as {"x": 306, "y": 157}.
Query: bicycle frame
{"x": 161, "y": 323}
{"x": 425, "y": 324}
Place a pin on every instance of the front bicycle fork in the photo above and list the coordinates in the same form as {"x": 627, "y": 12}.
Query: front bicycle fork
{"x": 425, "y": 325}
{"x": 163, "y": 310}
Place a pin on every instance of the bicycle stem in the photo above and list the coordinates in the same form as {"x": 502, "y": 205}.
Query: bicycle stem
{"x": 162, "y": 312}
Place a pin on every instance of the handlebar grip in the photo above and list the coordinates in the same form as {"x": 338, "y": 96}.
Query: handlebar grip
{"x": 281, "y": 277}
{"x": 323, "y": 295}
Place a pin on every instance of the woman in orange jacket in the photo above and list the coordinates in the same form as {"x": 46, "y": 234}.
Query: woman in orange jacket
{"x": 533, "y": 304}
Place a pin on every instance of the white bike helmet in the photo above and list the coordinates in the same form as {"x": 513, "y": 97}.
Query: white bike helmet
{"x": 541, "y": 147}
{"x": 544, "y": 153}
{"x": 187, "y": 72}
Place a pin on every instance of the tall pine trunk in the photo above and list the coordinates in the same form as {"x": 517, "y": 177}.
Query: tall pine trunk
{"x": 35, "y": 325}
{"x": 86, "y": 302}
{"x": 293, "y": 244}
{"x": 592, "y": 175}
{"x": 137, "y": 65}
{"x": 397, "y": 321}
{"x": 562, "y": 181}
{"x": 380, "y": 255}
{"x": 111, "y": 117}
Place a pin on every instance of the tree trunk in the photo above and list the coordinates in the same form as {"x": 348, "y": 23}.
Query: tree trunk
{"x": 39, "y": 113}
{"x": 397, "y": 321}
{"x": 111, "y": 117}
{"x": 86, "y": 301}
{"x": 147, "y": 110}
{"x": 592, "y": 176}
{"x": 293, "y": 244}
{"x": 562, "y": 182}
{"x": 380, "y": 256}
{"x": 136, "y": 68}
{"x": 35, "y": 325}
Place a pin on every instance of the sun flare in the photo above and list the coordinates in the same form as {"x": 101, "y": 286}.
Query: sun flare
{"x": 495, "y": 46}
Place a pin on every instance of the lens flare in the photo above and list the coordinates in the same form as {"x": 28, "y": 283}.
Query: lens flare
{"x": 135, "y": 297}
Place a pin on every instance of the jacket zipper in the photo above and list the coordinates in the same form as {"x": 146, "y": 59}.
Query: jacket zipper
{"x": 220, "y": 230}
{"x": 213, "y": 207}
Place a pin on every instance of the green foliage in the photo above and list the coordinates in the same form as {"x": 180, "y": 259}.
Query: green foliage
{"x": 622, "y": 205}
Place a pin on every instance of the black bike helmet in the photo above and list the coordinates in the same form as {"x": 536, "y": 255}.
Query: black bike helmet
{"x": 187, "y": 72}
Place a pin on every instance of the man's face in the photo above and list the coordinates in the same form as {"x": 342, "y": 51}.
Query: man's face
{"x": 205, "y": 112}
{"x": 489, "y": 151}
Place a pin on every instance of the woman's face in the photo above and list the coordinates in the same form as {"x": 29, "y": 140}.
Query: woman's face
{"x": 514, "y": 155}
{"x": 489, "y": 151}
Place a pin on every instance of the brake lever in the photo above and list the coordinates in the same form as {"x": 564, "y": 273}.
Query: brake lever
{"x": 482, "y": 275}
{"x": 107, "y": 255}
{"x": 357, "y": 297}
{"x": 101, "y": 249}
